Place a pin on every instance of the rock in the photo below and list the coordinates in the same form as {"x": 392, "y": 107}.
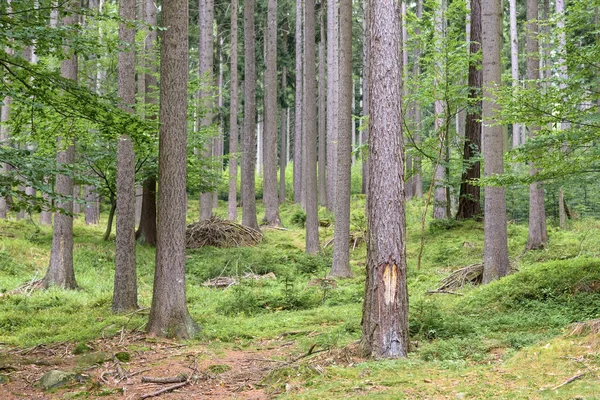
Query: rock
{"x": 55, "y": 378}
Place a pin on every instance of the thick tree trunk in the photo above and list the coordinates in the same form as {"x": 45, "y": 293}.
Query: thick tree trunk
{"x": 333, "y": 27}
{"x": 147, "y": 229}
{"x": 92, "y": 206}
{"x": 495, "y": 258}
{"x": 341, "y": 248}
{"x": 385, "y": 308}
{"x": 322, "y": 159}
{"x": 514, "y": 64}
{"x": 469, "y": 204}
{"x": 60, "y": 270}
{"x": 408, "y": 184}
{"x": 270, "y": 197}
{"x": 169, "y": 315}
{"x": 249, "y": 134}
{"x": 205, "y": 71}
{"x": 233, "y": 122}
{"x": 125, "y": 284}
{"x": 309, "y": 168}
{"x": 538, "y": 234}
{"x": 298, "y": 125}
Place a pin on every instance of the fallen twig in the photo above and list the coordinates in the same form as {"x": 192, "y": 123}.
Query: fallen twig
{"x": 571, "y": 379}
{"x": 168, "y": 379}
{"x": 165, "y": 390}
{"x": 443, "y": 292}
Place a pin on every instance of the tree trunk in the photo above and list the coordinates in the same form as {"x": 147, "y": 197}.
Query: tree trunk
{"x": 562, "y": 212}
{"x": 469, "y": 204}
{"x": 385, "y": 308}
{"x": 249, "y": 134}
{"x": 333, "y": 27}
{"x": 538, "y": 234}
{"x": 341, "y": 248}
{"x": 233, "y": 122}
{"x": 495, "y": 258}
{"x": 270, "y": 197}
{"x": 408, "y": 184}
{"x": 92, "y": 206}
{"x": 125, "y": 287}
{"x": 562, "y": 65}
{"x": 309, "y": 169}
{"x": 440, "y": 203}
{"x": 4, "y": 140}
{"x": 139, "y": 193}
{"x": 365, "y": 102}
{"x": 147, "y": 229}
{"x": 283, "y": 143}
{"x": 111, "y": 215}
{"x": 298, "y": 125}
{"x": 417, "y": 178}
{"x": 60, "y": 270}
{"x": 322, "y": 159}
{"x": 514, "y": 64}
{"x": 205, "y": 71}
{"x": 169, "y": 315}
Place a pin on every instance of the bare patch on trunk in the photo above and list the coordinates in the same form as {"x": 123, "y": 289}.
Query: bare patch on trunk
{"x": 390, "y": 283}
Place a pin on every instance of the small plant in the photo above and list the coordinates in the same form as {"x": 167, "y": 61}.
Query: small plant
{"x": 299, "y": 218}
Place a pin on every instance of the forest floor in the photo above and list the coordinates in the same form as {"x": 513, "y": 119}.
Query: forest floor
{"x": 295, "y": 336}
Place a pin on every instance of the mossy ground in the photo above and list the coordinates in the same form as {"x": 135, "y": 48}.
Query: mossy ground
{"x": 504, "y": 340}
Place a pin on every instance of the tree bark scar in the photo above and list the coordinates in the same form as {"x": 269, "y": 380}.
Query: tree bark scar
{"x": 390, "y": 283}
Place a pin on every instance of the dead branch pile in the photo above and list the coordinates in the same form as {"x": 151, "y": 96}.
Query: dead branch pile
{"x": 218, "y": 232}
{"x": 223, "y": 282}
{"x": 356, "y": 239}
{"x": 469, "y": 275}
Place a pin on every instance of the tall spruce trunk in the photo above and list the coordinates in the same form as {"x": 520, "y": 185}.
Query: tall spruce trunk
{"x": 309, "y": 168}
{"x": 514, "y": 65}
{"x": 562, "y": 66}
{"x": 298, "y": 125}
{"x": 146, "y": 232}
{"x": 125, "y": 283}
{"x": 233, "y": 118}
{"x": 469, "y": 203}
{"x": 365, "y": 103}
{"x": 538, "y": 234}
{"x": 417, "y": 177}
{"x": 270, "y": 196}
{"x": 440, "y": 196}
{"x": 333, "y": 27}
{"x": 60, "y": 270}
{"x": 385, "y": 307}
{"x": 5, "y": 141}
{"x": 408, "y": 184}
{"x": 249, "y": 133}
{"x": 282, "y": 131}
{"x": 205, "y": 71}
{"x": 495, "y": 257}
{"x": 169, "y": 315}
{"x": 341, "y": 249}
{"x": 322, "y": 159}
{"x": 92, "y": 206}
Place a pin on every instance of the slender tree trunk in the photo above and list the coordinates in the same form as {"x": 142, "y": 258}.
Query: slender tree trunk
{"x": 514, "y": 64}
{"x": 341, "y": 248}
{"x": 125, "y": 287}
{"x": 205, "y": 71}
{"x": 495, "y": 258}
{"x": 309, "y": 169}
{"x": 538, "y": 234}
{"x": 233, "y": 122}
{"x": 562, "y": 213}
{"x": 5, "y": 141}
{"x": 562, "y": 51}
{"x": 365, "y": 102}
{"x": 408, "y": 184}
{"x": 270, "y": 197}
{"x": 249, "y": 134}
{"x": 169, "y": 315}
{"x": 139, "y": 194}
{"x": 333, "y": 27}
{"x": 111, "y": 216}
{"x": 322, "y": 159}
{"x": 298, "y": 125}
{"x": 470, "y": 195}
{"x": 417, "y": 178}
{"x": 147, "y": 229}
{"x": 385, "y": 307}
{"x": 219, "y": 150}
{"x": 60, "y": 271}
{"x": 440, "y": 203}
{"x": 283, "y": 143}
{"x": 92, "y": 206}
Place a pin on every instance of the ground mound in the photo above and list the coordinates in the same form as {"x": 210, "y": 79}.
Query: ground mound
{"x": 218, "y": 232}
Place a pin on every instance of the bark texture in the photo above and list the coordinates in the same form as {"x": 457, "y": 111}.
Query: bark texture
{"x": 385, "y": 308}
{"x": 417, "y": 178}
{"x": 365, "y": 102}
{"x": 322, "y": 158}
{"x": 495, "y": 257}
{"x": 249, "y": 134}
{"x": 283, "y": 140}
{"x": 233, "y": 121}
{"x": 298, "y": 125}
{"x": 333, "y": 27}
{"x": 125, "y": 283}
{"x": 270, "y": 195}
{"x": 514, "y": 64}
{"x": 341, "y": 248}
{"x": 92, "y": 206}
{"x": 469, "y": 203}
{"x": 538, "y": 234}
{"x": 440, "y": 196}
{"x": 4, "y": 140}
{"x": 309, "y": 168}
{"x": 169, "y": 315}
{"x": 146, "y": 232}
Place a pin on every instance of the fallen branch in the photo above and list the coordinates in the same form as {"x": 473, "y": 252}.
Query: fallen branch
{"x": 573, "y": 378}
{"x": 441, "y": 291}
{"x": 165, "y": 390}
{"x": 168, "y": 379}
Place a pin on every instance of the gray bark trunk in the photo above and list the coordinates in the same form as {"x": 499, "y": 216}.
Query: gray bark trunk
{"x": 365, "y": 103}
{"x": 385, "y": 307}
{"x": 125, "y": 284}
{"x": 440, "y": 197}
{"x": 341, "y": 248}
{"x": 283, "y": 141}
{"x": 495, "y": 258}
{"x": 92, "y": 206}
{"x": 169, "y": 315}
{"x": 298, "y": 125}
{"x": 417, "y": 178}
{"x": 514, "y": 64}
{"x": 309, "y": 169}
{"x": 249, "y": 134}
{"x": 322, "y": 159}
{"x": 233, "y": 121}
{"x": 333, "y": 27}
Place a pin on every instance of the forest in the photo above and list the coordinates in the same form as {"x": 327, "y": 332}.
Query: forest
{"x": 225, "y": 199}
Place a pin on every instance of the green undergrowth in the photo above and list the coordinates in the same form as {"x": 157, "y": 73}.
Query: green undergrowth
{"x": 553, "y": 288}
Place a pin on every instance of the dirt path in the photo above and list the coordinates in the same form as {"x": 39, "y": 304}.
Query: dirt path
{"x": 216, "y": 373}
